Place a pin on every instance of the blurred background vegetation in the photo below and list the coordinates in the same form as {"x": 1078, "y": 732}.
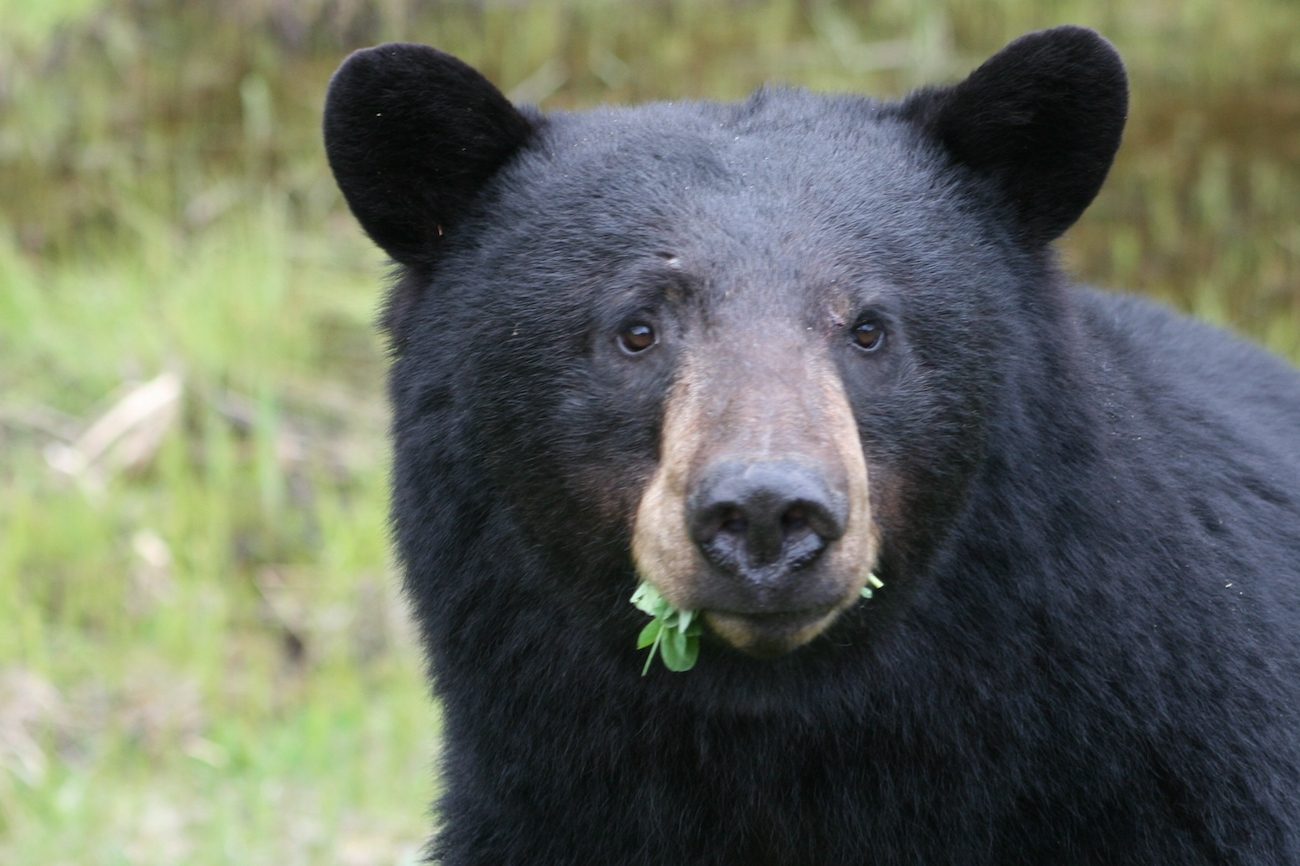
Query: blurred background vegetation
{"x": 203, "y": 656}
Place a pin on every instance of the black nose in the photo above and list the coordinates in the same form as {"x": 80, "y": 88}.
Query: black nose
{"x": 764, "y": 520}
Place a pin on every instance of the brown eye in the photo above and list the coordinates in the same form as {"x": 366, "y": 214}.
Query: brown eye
{"x": 636, "y": 338}
{"x": 868, "y": 335}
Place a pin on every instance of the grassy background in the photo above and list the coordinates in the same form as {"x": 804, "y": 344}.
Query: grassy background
{"x": 203, "y": 658}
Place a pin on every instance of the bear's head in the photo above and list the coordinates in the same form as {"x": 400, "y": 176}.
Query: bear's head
{"x": 747, "y": 353}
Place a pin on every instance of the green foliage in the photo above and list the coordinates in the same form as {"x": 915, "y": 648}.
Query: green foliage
{"x": 673, "y": 633}
{"x": 873, "y": 583}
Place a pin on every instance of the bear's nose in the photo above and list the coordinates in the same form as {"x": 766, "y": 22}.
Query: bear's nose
{"x": 764, "y": 520}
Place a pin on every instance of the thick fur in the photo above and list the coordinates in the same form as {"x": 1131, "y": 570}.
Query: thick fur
{"x": 1087, "y": 650}
{"x": 412, "y": 134}
{"x": 1044, "y": 117}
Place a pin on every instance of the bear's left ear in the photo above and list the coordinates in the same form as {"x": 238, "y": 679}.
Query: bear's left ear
{"x": 412, "y": 134}
{"x": 1042, "y": 118}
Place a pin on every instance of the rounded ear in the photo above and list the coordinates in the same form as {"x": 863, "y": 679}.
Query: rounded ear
{"x": 412, "y": 134}
{"x": 1043, "y": 117}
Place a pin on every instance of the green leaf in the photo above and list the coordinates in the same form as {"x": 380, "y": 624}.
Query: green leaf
{"x": 677, "y": 640}
{"x": 649, "y": 634}
{"x": 654, "y": 648}
{"x": 675, "y": 650}
{"x": 692, "y": 654}
{"x": 873, "y": 583}
{"x": 681, "y": 652}
{"x": 647, "y": 599}
{"x": 672, "y": 634}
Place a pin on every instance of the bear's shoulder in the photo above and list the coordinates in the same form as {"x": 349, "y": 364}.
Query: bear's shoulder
{"x": 1187, "y": 377}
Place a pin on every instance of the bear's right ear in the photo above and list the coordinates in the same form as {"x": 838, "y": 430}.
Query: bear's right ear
{"x": 1042, "y": 118}
{"x": 412, "y": 134}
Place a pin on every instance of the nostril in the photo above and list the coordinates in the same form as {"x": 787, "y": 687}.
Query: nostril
{"x": 822, "y": 520}
{"x": 720, "y": 532}
{"x": 795, "y": 520}
{"x": 734, "y": 522}
{"x": 721, "y": 519}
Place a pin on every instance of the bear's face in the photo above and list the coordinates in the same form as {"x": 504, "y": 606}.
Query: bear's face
{"x": 700, "y": 371}
{"x": 746, "y": 351}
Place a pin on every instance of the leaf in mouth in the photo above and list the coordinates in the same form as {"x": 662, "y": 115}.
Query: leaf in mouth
{"x": 674, "y": 634}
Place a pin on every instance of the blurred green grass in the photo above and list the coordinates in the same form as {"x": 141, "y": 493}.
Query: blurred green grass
{"x": 203, "y": 658}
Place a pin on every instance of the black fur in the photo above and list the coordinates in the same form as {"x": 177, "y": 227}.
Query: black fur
{"x": 1087, "y": 650}
{"x": 1043, "y": 118}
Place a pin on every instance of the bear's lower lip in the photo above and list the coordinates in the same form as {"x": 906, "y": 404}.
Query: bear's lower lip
{"x": 766, "y": 635}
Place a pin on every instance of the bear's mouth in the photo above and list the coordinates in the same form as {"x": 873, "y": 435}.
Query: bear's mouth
{"x": 768, "y": 635}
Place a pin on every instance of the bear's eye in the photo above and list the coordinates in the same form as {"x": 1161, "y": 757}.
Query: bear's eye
{"x": 636, "y": 338}
{"x": 868, "y": 335}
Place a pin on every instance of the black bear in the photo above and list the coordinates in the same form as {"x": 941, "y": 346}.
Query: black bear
{"x": 756, "y": 356}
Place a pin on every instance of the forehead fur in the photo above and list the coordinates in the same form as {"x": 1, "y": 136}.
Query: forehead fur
{"x": 785, "y": 171}
{"x": 798, "y": 143}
